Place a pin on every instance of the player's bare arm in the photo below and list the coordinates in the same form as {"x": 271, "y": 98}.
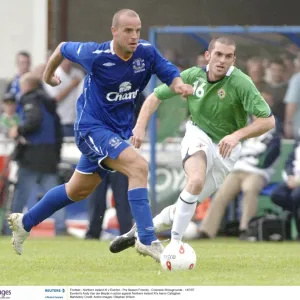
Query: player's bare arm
{"x": 256, "y": 128}
{"x": 149, "y": 107}
{"x": 53, "y": 62}
{"x": 181, "y": 88}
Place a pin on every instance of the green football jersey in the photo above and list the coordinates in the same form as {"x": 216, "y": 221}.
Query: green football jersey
{"x": 219, "y": 108}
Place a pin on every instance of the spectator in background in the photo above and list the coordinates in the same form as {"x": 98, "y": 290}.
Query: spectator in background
{"x": 23, "y": 62}
{"x": 278, "y": 87}
{"x": 8, "y": 118}
{"x": 288, "y": 60}
{"x": 39, "y": 155}
{"x": 287, "y": 194}
{"x": 201, "y": 61}
{"x": 250, "y": 174}
{"x": 292, "y": 108}
{"x": 256, "y": 71}
{"x": 66, "y": 95}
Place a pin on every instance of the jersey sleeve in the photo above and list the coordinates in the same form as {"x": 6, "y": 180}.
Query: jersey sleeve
{"x": 163, "y": 92}
{"x": 164, "y": 70}
{"x": 80, "y": 53}
{"x": 252, "y": 100}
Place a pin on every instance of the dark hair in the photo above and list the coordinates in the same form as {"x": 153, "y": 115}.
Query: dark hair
{"x": 9, "y": 98}
{"x": 225, "y": 40}
{"x": 24, "y": 53}
{"x": 277, "y": 61}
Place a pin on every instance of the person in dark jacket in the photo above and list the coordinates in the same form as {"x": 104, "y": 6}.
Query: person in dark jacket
{"x": 287, "y": 193}
{"x": 39, "y": 139}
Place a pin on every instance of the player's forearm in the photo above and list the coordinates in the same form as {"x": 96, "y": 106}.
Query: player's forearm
{"x": 256, "y": 128}
{"x": 54, "y": 61}
{"x": 175, "y": 83}
{"x": 149, "y": 107}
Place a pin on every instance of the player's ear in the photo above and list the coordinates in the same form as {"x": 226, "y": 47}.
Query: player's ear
{"x": 234, "y": 58}
{"x": 113, "y": 30}
{"x": 207, "y": 55}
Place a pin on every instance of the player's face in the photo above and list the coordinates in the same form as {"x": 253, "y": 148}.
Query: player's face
{"x": 127, "y": 33}
{"x": 220, "y": 59}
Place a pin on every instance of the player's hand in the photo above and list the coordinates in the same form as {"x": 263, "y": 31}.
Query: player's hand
{"x": 184, "y": 90}
{"x": 53, "y": 81}
{"x": 138, "y": 136}
{"x": 227, "y": 143}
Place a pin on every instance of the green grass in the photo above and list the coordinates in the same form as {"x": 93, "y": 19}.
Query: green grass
{"x": 67, "y": 261}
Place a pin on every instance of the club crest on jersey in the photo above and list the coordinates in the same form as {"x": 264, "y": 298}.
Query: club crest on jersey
{"x": 221, "y": 93}
{"x": 115, "y": 142}
{"x": 138, "y": 65}
{"x": 124, "y": 87}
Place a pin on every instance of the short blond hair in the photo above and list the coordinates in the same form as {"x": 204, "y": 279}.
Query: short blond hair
{"x": 121, "y": 12}
{"x": 31, "y": 79}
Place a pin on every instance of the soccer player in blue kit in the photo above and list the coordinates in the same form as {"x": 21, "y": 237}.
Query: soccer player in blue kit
{"x": 117, "y": 71}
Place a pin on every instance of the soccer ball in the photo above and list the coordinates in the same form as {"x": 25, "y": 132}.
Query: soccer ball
{"x": 178, "y": 256}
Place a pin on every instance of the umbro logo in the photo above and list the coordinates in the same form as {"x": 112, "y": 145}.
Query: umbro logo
{"x": 108, "y": 64}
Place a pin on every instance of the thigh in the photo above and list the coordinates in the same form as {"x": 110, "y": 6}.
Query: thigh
{"x": 80, "y": 186}
{"x": 97, "y": 145}
{"x": 208, "y": 189}
{"x": 86, "y": 166}
{"x": 253, "y": 183}
{"x": 196, "y": 165}
{"x": 196, "y": 140}
{"x": 127, "y": 162}
{"x": 230, "y": 188}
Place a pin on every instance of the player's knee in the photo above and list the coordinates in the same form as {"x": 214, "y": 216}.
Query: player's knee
{"x": 195, "y": 184}
{"x": 139, "y": 169}
{"x": 77, "y": 194}
{"x": 250, "y": 190}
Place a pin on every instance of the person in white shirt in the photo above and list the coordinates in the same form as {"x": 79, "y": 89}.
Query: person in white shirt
{"x": 66, "y": 94}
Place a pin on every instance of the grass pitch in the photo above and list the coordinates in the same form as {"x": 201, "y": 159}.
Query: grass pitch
{"x": 67, "y": 261}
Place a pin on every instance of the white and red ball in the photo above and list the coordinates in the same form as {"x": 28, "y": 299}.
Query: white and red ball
{"x": 178, "y": 256}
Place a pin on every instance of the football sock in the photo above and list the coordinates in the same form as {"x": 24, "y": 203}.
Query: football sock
{"x": 54, "y": 200}
{"x": 140, "y": 208}
{"x": 185, "y": 209}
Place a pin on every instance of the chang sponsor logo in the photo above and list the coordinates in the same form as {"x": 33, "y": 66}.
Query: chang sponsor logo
{"x": 123, "y": 94}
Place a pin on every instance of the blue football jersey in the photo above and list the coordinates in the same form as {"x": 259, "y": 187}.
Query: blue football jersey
{"x": 112, "y": 84}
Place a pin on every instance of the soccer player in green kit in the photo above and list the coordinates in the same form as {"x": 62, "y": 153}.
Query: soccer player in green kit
{"x": 223, "y": 98}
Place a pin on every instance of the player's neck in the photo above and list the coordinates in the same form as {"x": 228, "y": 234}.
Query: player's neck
{"x": 119, "y": 52}
{"x": 212, "y": 77}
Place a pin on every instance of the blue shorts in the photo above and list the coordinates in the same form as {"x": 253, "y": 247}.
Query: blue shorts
{"x": 95, "y": 145}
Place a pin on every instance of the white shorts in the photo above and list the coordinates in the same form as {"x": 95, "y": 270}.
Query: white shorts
{"x": 218, "y": 167}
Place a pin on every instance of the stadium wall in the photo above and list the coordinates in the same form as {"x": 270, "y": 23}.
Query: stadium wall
{"x": 23, "y": 26}
{"x": 95, "y": 18}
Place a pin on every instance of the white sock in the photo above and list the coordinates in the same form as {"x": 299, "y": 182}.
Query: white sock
{"x": 164, "y": 220}
{"x": 185, "y": 209}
